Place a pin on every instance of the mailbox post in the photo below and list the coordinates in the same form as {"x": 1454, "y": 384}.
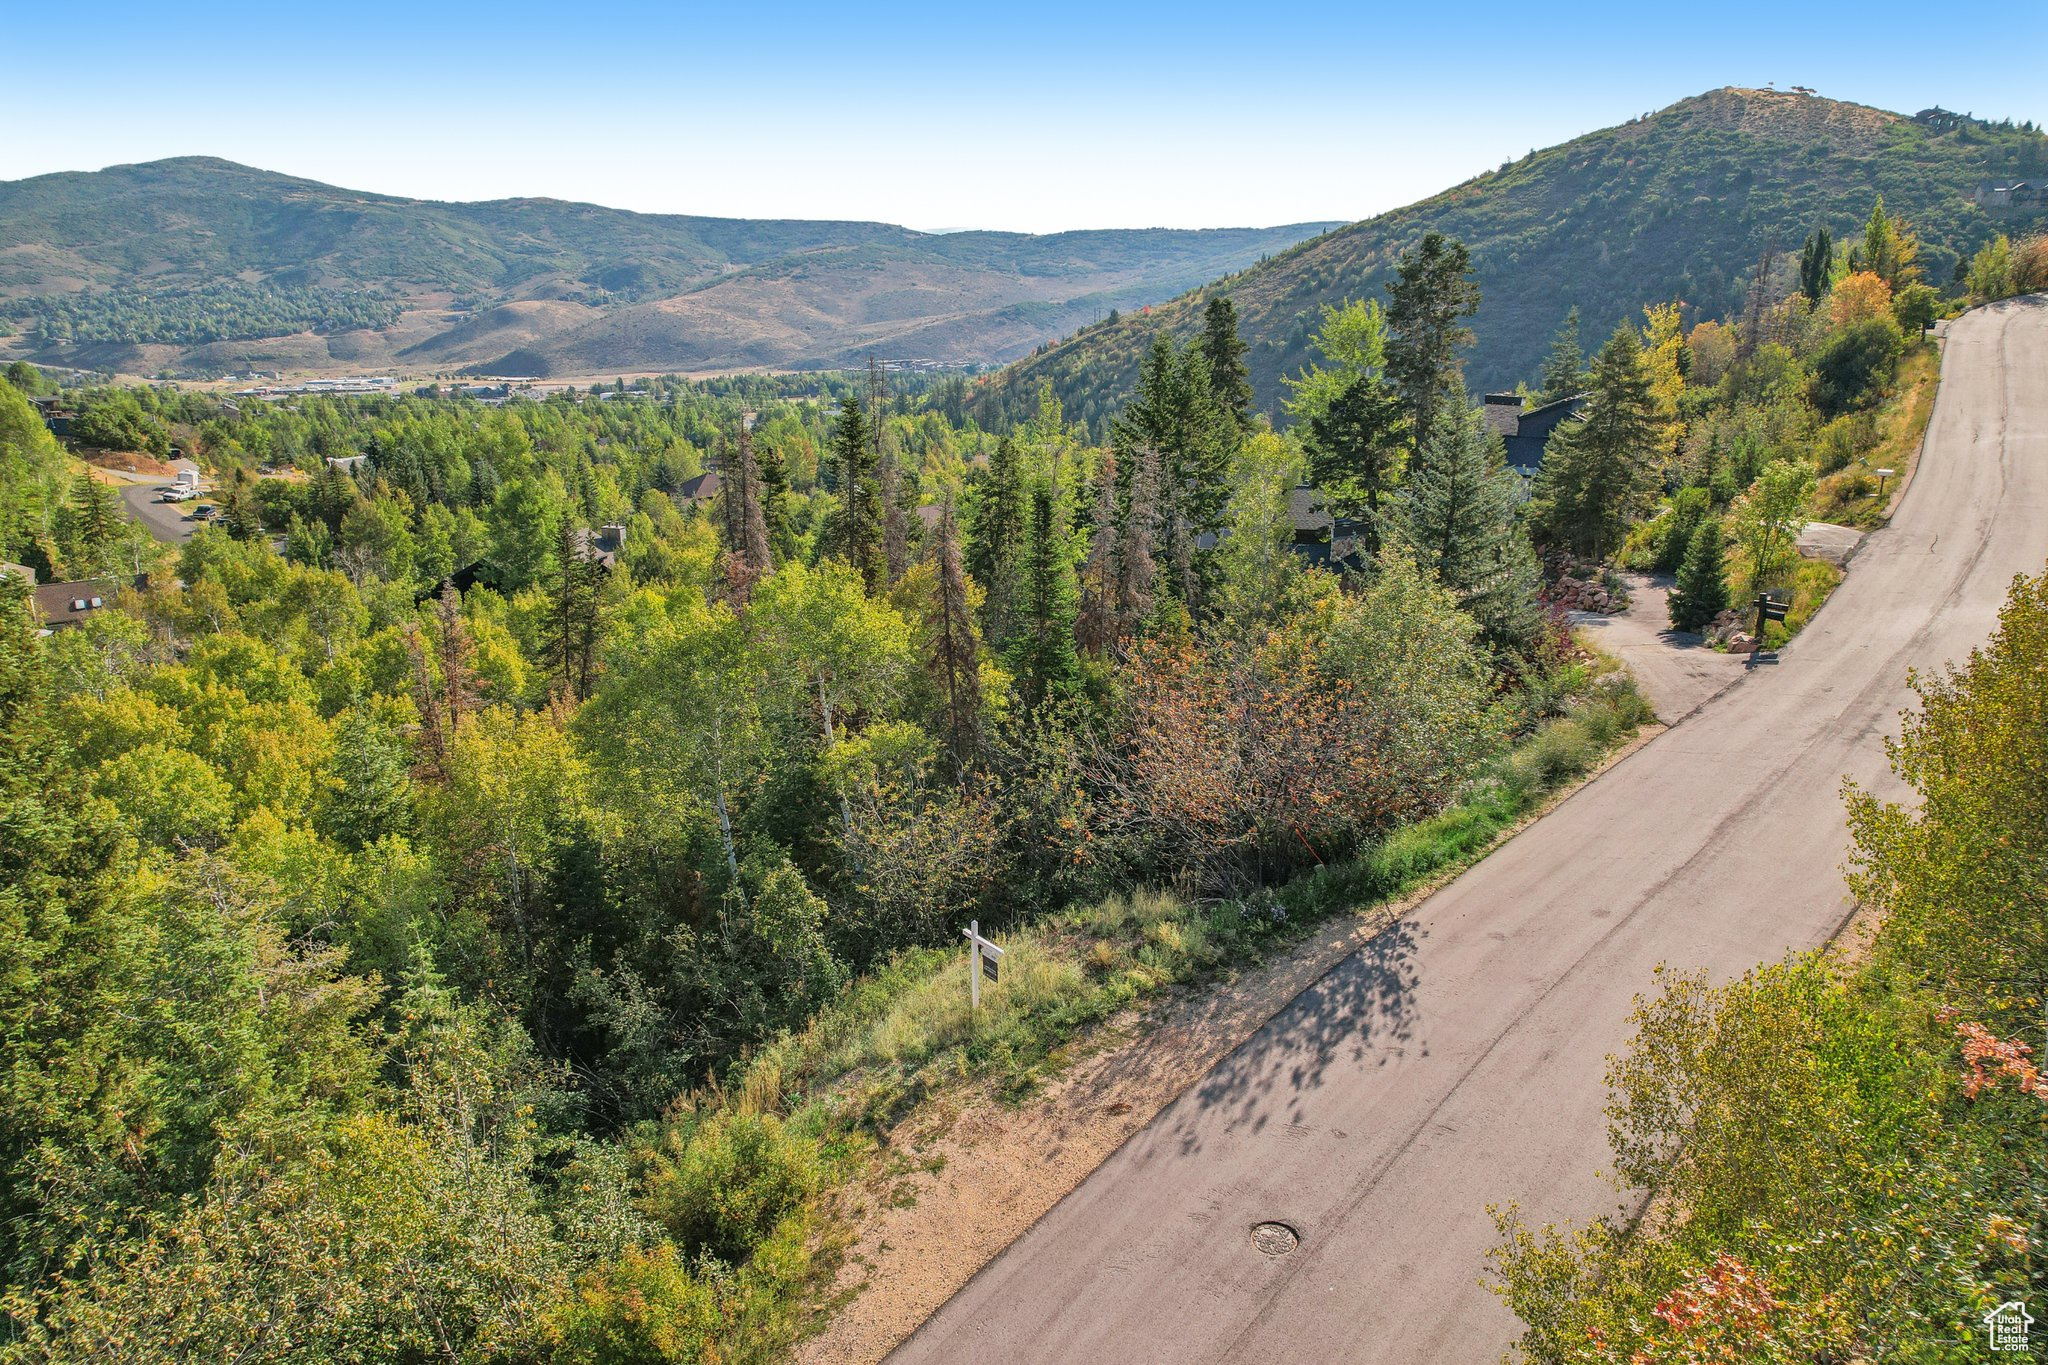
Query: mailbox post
{"x": 1768, "y": 609}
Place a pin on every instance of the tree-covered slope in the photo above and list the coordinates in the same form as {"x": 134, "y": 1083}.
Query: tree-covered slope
{"x": 1681, "y": 204}
{"x": 185, "y": 263}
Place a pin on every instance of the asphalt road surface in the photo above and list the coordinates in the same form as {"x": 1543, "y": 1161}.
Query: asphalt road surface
{"x": 170, "y": 522}
{"x": 1459, "y": 1059}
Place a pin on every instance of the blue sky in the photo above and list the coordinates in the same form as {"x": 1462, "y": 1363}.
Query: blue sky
{"x": 1037, "y": 118}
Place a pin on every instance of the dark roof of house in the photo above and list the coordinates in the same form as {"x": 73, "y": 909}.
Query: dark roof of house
{"x": 1525, "y": 434}
{"x": 1310, "y": 518}
{"x": 701, "y": 488}
{"x": 66, "y": 604}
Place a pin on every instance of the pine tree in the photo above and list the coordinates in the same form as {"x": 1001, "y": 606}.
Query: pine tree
{"x": 98, "y": 511}
{"x": 1596, "y": 470}
{"x": 1355, "y": 453}
{"x": 1701, "y": 593}
{"x": 998, "y": 541}
{"x": 1096, "y": 629}
{"x": 743, "y": 525}
{"x": 1138, "y": 515}
{"x": 888, "y": 476}
{"x": 442, "y": 702}
{"x": 1174, "y": 415}
{"x": 858, "y": 528}
{"x": 1431, "y": 294}
{"x": 239, "y": 516}
{"x": 1223, "y": 350}
{"x": 1564, "y": 369}
{"x": 955, "y": 659}
{"x": 1458, "y": 515}
{"x": 774, "y": 496}
{"x": 1816, "y": 259}
{"x": 570, "y": 631}
{"x": 1890, "y": 250}
{"x": 1042, "y": 656}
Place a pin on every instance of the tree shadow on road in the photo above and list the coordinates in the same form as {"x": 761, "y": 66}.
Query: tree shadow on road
{"x": 1363, "y": 1006}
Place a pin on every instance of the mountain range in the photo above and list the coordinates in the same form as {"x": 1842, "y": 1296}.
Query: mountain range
{"x": 1682, "y": 204}
{"x": 197, "y": 266}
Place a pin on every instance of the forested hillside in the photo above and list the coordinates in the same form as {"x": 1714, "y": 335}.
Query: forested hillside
{"x": 200, "y": 266}
{"x": 1680, "y": 206}
{"x": 479, "y": 901}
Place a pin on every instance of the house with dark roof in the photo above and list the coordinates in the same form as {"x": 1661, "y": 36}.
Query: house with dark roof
{"x": 703, "y": 488}
{"x": 1320, "y": 537}
{"x": 601, "y": 547}
{"x": 59, "y": 606}
{"x": 1527, "y": 434}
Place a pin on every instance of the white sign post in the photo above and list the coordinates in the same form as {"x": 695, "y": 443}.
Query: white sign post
{"x": 983, "y": 957}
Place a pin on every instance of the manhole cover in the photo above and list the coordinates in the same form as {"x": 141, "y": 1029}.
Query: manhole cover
{"x": 1275, "y": 1239}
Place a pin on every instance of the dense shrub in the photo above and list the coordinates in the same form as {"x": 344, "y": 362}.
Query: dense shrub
{"x": 721, "y": 1186}
{"x": 1853, "y": 367}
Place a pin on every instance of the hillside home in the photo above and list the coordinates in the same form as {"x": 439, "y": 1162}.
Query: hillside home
{"x": 59, "y": 606}
{"x": 703, "y": 488}
{"x": 1999, "y": 195}
{"x": 1527, "y": 434}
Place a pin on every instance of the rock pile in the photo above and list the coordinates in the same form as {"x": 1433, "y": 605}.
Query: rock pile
{"x": 1584, "y": 594}
{"x": 1730, "y": 633}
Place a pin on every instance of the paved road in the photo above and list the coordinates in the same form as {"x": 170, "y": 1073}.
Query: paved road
{"x": 1459, "y": 1059}
{"x": 171, "y": 522}
{"x": 1673, "y": 669}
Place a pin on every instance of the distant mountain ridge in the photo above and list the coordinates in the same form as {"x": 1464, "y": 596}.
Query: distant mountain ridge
{"x": 131, "y": 267}
{"x": 1680, "y": 204}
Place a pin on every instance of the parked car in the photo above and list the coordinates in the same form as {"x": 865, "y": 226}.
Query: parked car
{"x": 175, "y": 493}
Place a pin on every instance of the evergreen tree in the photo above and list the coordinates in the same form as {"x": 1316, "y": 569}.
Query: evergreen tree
{"x": 1355, "y": 453}
{"x": 998, "y": 541}
{"x": 1564, "y": 369}
{"x": 1816, "y": 260}
{"x": 1890, "y": 250}
{"x": 858, "y": 532}
{"x": 955, "y": 658}
{"x": 1097, "y": 628}
{"x": 888, "y": 476}
{"x": 1138, "y": 514}
{"x": 239, "y": 517}
{"x": 774, "y": 496}
{"x": 1042, "y": 656}
{"x": 572, "y": 626}
{"x": 1223, "y": 349}
{"x": 1597, "y": 469}
{"x": 1458, "y": 515}
{"x": 743, "y": 525}
{"x": 307, "y": 542}
{"x": 1701, "y": 593}
{"x": 1431, "y": 295}
{"x": 1174, "y": 414}
{"x": 97, "y": 512}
